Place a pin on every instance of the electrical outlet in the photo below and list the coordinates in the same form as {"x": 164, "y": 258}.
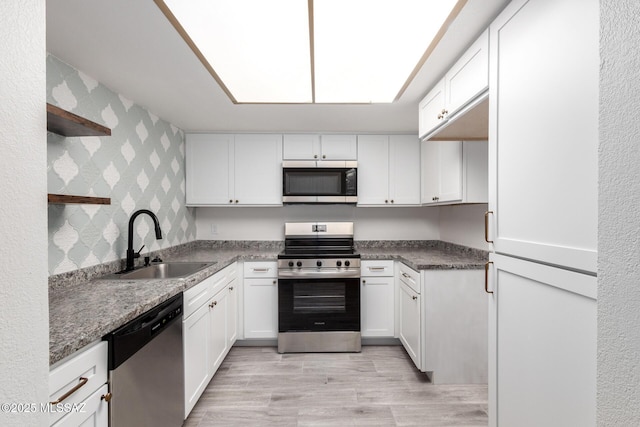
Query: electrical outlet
{"x": 214, "y": 229}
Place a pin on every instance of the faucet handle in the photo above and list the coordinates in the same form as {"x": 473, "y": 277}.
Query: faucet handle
{"x": 137, "y": 254}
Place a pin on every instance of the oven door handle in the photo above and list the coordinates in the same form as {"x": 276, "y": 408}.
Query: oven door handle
{"x": 319, "y": 274}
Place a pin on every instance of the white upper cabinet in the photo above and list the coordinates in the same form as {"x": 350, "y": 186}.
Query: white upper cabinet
{"x": 543, "y": 132}
{"x": 209, "y": 159}
{"x": 388, "y": 170}
{"x": 319, "y": 147}
{"x": 464, "y": 85}
{"x": 258, "y": 169}
{"x": 234, "y": 170}
{"x": 454, "y": 172}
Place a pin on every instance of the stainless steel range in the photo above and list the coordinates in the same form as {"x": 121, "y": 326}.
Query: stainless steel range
{"x": 318, "y": 289}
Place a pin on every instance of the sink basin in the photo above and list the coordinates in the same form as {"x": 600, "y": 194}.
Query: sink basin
{"x": 162, "y": 270}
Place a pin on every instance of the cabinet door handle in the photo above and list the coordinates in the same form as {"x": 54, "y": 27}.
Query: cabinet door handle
{"x": 486, "y": 277}
{"x": 486, "y": 226}
{"x": 77, "y": 387}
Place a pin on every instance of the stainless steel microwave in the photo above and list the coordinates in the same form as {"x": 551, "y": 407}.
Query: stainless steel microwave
{"x": 323, "y": 181}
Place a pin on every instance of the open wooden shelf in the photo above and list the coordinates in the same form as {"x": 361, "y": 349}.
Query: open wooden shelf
{"x": 65, "y": 123}
{"x": 65, "y": 199}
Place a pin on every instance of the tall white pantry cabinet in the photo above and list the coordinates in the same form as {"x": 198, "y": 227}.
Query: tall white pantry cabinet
{"x": 542, "y": 219}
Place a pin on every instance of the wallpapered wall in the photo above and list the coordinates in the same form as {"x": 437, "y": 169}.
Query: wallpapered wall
{"x": 140, "y": 166}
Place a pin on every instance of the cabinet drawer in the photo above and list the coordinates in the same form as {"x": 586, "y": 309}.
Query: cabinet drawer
{"x": 93, "y": 412}
{"x": 376, "y": 268}
{"x": 260, "y": 269}
{"x": 86, "y": 371}
{"x": 409, "y": 276}
{"x": 195, "y": 297}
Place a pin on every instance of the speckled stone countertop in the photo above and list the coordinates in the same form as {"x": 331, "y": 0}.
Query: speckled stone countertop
{"x": 83, "y": 307}
{"x": 425, "y": 255}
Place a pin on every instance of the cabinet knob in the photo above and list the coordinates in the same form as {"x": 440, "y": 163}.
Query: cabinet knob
{"x": 440, "y": 116}
{"x": 324, "y": 156}
{"x": 230, "y": 201}
{"x": 236, "y": 201}
{"x": 315, "y": 156}
{"x": 414, "y": 297}
{"x": 391, "y": 200}
{"x": 274, "y": 282}
{"x": 386, "y": 201}
{"x": 106, "y": 397}
{"x": 230, "y": 288}
{"x": 213, "y": 304}
{"x": 364, "y": 282}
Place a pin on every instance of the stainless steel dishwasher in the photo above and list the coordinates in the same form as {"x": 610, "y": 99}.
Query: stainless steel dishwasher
{"x": 146, "y": 369}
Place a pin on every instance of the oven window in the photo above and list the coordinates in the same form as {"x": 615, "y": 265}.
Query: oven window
{"x": 314, "y": 183}
{"x": 312, "y": 298}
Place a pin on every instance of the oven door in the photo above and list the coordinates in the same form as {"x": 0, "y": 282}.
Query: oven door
{"x": 314, "y": 304}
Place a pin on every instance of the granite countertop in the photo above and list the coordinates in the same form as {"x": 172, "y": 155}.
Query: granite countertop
{"x": 83, "y": 308}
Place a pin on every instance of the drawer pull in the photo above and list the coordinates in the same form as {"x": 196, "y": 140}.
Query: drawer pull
{"x": 260, "y": 270}
{"x": 377, "y": 268}
{"x": 82, "y": 382}
{"x": 406, "y": 275}
{"x": 106, "y": 397}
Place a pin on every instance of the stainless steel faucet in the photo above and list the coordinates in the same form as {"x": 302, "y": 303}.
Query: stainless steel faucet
{"x": 131, "y": 254}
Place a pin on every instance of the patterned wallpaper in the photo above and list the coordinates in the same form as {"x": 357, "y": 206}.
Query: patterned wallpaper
{"x": 140, "y": 166}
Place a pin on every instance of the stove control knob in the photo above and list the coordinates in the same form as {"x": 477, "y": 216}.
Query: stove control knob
{"x": 338, "y": 263}
{"x": 290, "y": 263}
{"x": 319, "y": 263}
{"x": 347, "y": 263}
{"x": 299, "y": 263}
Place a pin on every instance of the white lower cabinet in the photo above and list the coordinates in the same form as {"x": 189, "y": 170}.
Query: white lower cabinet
{"x": 86, "y": 372}
{"x": 410, "y": 328}
{"x": 260, "y": 300}
{"x": 377, "y": 295}
{"x": 443, "y": 319}
{"x": 209, "y": 330}
{"x": 543, "y": 345}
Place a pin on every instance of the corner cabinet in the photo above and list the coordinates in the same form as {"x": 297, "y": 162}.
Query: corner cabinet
{"x": 454, "y": 172}
{"x": 65, "y": 123}
{"x": 234, "y": 170}
{"x": 388, "y": 170}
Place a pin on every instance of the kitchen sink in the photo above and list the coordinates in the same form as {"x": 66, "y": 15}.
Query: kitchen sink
{"x": 162, "y": 270}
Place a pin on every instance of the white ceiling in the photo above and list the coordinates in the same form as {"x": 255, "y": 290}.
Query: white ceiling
{"x": 130, "y": 47}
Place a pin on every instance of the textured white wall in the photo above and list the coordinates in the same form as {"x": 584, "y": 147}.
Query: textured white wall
{"x": 464, "y": 225}
{"x": 619, "y": 215}
{"x": 268, "y": 223}
{"x": 24, "y": 325}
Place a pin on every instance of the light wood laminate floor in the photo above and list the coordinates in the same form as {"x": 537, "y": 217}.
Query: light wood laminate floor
{"x": 256, "y": 386}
